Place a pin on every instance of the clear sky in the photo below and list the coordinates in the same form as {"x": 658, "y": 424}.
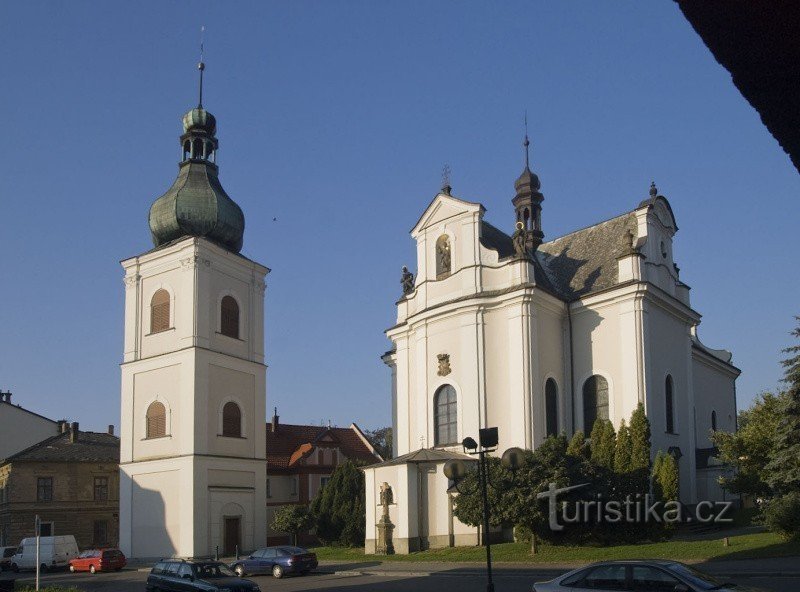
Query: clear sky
{"x": 336, "y": 118}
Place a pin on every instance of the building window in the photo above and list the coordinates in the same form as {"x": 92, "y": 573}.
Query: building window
{"x": 294, "y": 485}
{"x": 269, "y": 489}
{"x": 320, "y": 457}
{"x": 670, "y": 405}
{"x": 44, "y": 489}
{"x": 159, "y": 311}
{"x": 443, "y": 257}
{"x": 551, "y": 407}
{"x": 46, "y": 529}
{"x": 231, "y": 420}
{"x": 445, "y": 411}
{"x": 595, "y": 401}
{"x": 334, "y": 457}
{"x": 156, "y": 421}
{"x": 101, "y": 488}
{"x": 714, "y": 420}
{"x": 229, "y": 311}
{"x": 100, "y": 536}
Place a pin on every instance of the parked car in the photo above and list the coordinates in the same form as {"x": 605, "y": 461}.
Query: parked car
{"x": 95, "y": 560}
{"x": 651, "y": 575}
{"x": 54, "y": 551}
{"x": 203, "y": 576}
{"x": 6, "y": 553}
{"x": 277, "y": 561}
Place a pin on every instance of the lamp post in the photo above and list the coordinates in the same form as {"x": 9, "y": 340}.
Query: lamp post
{"x": 456, "y": 470}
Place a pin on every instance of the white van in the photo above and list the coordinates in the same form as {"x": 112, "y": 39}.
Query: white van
{"x": 54, "y": 551}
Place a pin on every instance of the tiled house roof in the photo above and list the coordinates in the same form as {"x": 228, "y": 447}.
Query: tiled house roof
{"x": 88, "y": 447}
{"x": 289, "y": 443}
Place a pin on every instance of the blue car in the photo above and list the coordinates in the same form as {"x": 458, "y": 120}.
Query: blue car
{"x": 277, "y": 561}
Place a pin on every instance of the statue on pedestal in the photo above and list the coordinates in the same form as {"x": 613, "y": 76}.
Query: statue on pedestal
{"x": 385, "y": 545}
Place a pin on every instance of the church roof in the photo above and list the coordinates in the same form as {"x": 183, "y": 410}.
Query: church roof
{"x": 88, "y": 447}
{"x": 289, "y": 443}
{"x": 424, "y": 455}
{"x": 585, "y": 261}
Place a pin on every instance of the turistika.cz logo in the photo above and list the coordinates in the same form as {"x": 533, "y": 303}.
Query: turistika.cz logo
{"x": 633, "y": 509}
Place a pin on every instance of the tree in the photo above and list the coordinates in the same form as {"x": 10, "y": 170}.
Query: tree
{"x": 668, "y": 478}
{"x": 640, "y": 439}
{"x": 596, "y": 441}
{"x": 577, "y": 445}
{"x": 381, "y": 440}
{"x": 291, "y": 519}
{"x": 750, "y": 449}
{"x": 339, "y": 508}
{"x": 658, "y": 463}
{"x": 623, "y": 450}
{"x": 608, "y": 446}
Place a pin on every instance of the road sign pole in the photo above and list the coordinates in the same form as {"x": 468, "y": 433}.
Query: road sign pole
{"x": 38, "y": 525}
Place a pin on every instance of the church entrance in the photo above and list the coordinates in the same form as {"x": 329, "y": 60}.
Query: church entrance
{"x": 232, "y": 535}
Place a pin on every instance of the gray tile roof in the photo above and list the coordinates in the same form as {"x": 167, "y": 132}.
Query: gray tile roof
{"x": 89, "y": 447}
{"x": 423, "y": 455}
{"x": 585, "y": 261}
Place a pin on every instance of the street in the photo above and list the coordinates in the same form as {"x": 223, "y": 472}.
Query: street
{"x": 514, "y": 580}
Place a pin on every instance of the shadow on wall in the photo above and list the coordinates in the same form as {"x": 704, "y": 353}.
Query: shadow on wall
{"x": 152, "y": 535}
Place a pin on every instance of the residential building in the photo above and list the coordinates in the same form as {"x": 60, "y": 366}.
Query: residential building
{"x": 21, "y": 427}
{"x": 71, "y": 481}
{"x": 300, "y": 460}
{"x": 541, "y": 338}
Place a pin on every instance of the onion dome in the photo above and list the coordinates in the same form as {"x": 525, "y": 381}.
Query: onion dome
{"x": 528, "y": 203}
{"x": 196, "y": 204}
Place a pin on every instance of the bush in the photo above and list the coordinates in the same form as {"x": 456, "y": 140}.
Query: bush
{"x": 339, "y": 509}
{"x": 782, "y": 515}
{"x": 291, "y": 519}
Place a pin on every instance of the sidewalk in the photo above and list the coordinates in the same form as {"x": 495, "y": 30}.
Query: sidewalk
{"x": 770, "y": 567}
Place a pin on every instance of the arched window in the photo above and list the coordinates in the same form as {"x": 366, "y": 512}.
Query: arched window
{"x": 445, "y": 412}
{"x": 159, "y": 311}
{"x": 156, "y": 420}
{"x": 231, "y": 420}
{"x": 551, "y": 407}
{"x": 443, "y": 257}
{"x": 229, "y": 311}
{"x": 669, "y": 405}
{"x": 714, "y": 420}
{"x": 595, "y": 401}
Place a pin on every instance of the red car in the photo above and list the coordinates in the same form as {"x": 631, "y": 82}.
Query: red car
{"x": 95, "y": 560}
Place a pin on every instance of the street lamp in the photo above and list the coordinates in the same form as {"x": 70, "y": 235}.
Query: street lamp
{"x": 456, "y": 470}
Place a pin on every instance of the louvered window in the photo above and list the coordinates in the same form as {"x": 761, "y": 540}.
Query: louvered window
{"x": 156, "y": 420}
{"x": 595, "y": 401}
{"x": 230, "y": 317}
{"x": 231, "y": 420}
{"x": 159, "y": 311}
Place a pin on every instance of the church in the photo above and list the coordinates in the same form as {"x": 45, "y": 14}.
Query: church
{"x": 192, "y": 457}
{"x": 540, "y": 338}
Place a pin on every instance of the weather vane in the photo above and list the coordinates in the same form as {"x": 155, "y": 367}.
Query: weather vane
{"x": 446, "y": 188}
{"x": 527, "y": 142}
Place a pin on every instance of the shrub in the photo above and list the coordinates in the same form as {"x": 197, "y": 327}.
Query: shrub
{"x": 782, "y": 515}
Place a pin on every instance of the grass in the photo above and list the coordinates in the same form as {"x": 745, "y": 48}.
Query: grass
{"x": 747, "y": 546}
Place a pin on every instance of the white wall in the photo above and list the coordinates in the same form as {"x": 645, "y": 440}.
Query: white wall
{"x": 22, "y": 429}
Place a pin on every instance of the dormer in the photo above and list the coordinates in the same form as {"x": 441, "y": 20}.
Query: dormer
{"x": 656, "y": 224}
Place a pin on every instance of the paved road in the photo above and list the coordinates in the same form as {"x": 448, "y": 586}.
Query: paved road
{"x": 505, "y": 581}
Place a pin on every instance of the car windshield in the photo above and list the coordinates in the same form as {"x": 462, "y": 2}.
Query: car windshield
{"x": 694, "y": 577}
{"x": 9, "y": 552}
{"x": 209, "y": 571}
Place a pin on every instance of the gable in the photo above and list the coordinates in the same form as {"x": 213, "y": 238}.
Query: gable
{"x": 443, "y": 208}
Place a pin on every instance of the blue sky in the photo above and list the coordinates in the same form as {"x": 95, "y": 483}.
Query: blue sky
{"x": 337, "y": 118}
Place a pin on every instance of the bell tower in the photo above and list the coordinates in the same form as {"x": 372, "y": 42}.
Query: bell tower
{"x": 528, "y": 201}
{"x": 192, "y": 458}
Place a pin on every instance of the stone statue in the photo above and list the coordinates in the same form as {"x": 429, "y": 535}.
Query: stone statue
{"x": 407, "y": 281}
{"x": 443, "y": 256}
{"x": 519, "y": 238}
{"x": 385, "y": 545}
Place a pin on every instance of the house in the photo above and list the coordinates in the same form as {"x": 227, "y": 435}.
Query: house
{"x": 21, "y": 427}
{"x": 538, "y": 339}
{"x": 70, "y": 480}
{"x": 300, "y": 460}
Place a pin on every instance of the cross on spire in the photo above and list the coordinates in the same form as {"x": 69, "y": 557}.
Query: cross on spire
{"x": 527, "y": 142}
{"x": 446, "y": 188}
{"x": 201, "y": 66}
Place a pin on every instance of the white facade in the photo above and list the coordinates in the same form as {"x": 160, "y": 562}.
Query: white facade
{"x": 21, "y": 428}
{"x": 605, "y": 301}
{"x": 184, "y": 493}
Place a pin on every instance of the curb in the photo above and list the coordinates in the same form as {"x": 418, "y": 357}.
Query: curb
{"x": 526, "y": 574}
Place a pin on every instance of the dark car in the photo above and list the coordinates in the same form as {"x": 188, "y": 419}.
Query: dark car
{"x": 277, "y": 561}
{"x": 6, "y": 553}
{"x": 652, "y": 575}
{"x": 171, "y": 575}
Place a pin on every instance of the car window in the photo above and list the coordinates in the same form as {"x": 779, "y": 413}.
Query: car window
{"x": 210, "y": 571}
{"x": 283, "y": 553}
{"x": 296, "y": 550}
{"x": 9, "y": 552}
{"x": 171, "y": 569}
{"x": 605, "y": 577}
{"x": 184, "y": 570}
{"x": 269, "y": 553}
{"x": 258, "y": 554}
{"x": 697, "y": 578}
{"x": 158, "y": 568}
{"x": 650, "y": 578}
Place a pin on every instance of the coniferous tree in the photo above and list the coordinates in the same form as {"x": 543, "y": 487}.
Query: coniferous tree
{"x": 596, "y": 441}
{"x": 577, "y": 445}
{"x": 623, "y": 449}
{"x": 339, "y": 508}
{"x": 658, "y": 463}
{"x": 608, "y": 446}
{"x": 640, "y": 439}
{"x": 669, "y": 479}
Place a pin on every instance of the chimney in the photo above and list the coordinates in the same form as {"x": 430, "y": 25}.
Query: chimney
{"x": 62, "y": 426}
{"x": 111, "y": 429}
{"x": 275, "y": 420}
{"x": 73, "y": 432}
{"x": 5, "y": 396}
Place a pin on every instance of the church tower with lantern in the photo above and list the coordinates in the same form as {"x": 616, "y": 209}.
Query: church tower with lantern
{"x": 192, "y": 458}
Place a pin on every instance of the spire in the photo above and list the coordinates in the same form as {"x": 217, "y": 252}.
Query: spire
{"x": 201, "y": 66}
{"x": 528, "y": 199}
{"x": 446, "y": 187}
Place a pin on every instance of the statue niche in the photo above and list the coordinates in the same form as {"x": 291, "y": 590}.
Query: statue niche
{"x": 443, "y": 257}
